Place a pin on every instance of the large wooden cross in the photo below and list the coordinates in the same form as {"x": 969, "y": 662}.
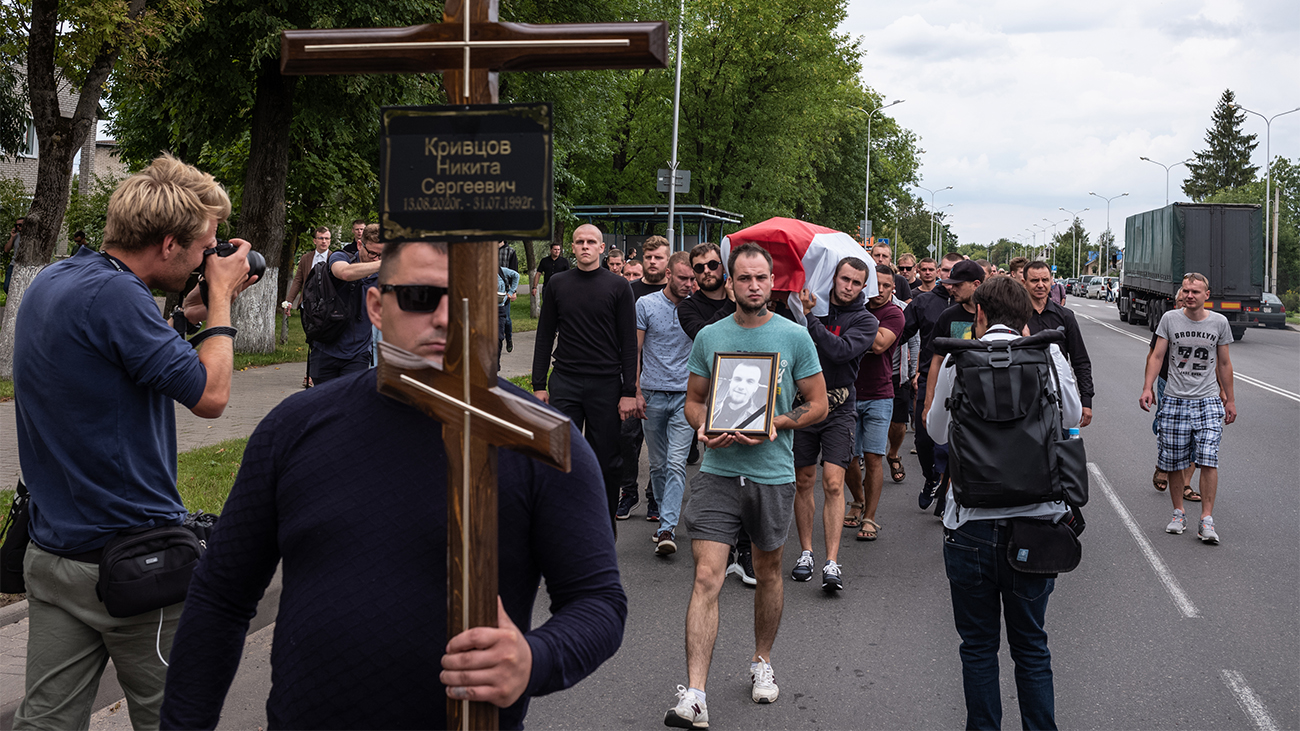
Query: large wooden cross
{"x": 470, "y": 47}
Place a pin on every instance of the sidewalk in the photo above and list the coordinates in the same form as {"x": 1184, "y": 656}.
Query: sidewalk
{"x": 254, "y": 393}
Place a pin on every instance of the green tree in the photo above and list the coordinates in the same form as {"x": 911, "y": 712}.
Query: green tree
{"x": 1074, "y": 238}
{"x": 1226, "y": 162}
{"x": 77, "y": 43}
{"x": 215, "y": 93}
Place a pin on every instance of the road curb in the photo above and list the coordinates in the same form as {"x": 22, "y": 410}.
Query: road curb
{"x": 110, "y": 691}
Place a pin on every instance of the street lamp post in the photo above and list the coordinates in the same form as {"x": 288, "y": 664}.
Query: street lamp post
{"x": 1056, "y": 233}
{"x": 866, "y": 195}
{"x": 1167, "y": 168}
{"x": 1074, "y": 235}
{"x": 677, "y": 104}
{"x": 1110, "y": 236}
{"x": 933, "y": 193}
{"x": 1268, "y": 186}
{"x": 936, "y": 229}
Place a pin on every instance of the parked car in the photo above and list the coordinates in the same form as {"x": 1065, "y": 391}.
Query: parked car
{"x": 1096, "y": 288}
{"x": 1270, "y": 313}
{"x": 1069, "y": 285}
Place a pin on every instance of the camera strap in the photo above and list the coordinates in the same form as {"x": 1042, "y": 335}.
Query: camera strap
{"x": 117, "y": 263}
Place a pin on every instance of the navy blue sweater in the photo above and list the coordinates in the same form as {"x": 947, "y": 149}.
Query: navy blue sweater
{"x": 348, "y": 488}
{"x": 842, "y": 336}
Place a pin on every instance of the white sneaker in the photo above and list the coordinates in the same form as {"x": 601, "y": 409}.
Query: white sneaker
{"x": 690, "y": 711}
{"x": 1205, "y": 531}
{"x": 765, "y": 690}
{"x": 1178, "y": 524}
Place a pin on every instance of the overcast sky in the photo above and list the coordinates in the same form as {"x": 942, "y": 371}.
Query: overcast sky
{"x": 1025, "y": 107}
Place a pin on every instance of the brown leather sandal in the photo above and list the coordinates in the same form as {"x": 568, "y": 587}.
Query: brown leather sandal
{"x": 1160, "y": 483}
{"x": 896, "y": 471}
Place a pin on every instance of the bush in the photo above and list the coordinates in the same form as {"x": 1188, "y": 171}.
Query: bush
{"x": 1291, "y": 301}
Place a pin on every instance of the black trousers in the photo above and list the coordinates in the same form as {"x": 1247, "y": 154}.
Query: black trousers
{"x": 631, "y": 437}
{"x": 592, "y": 403}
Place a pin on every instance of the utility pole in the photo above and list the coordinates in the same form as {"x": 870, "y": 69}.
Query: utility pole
{"x": 677, "y": 107}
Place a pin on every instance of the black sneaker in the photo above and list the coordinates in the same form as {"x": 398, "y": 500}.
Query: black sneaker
{"x": 831, "y": 580}
{"x": 510, "y": 346}
{"x": 651, "y": 510}
{"x": 694, "y": 456}
{"x": 926, "y": 497}
{"x": 742, "y": 565}
{"x": 803, "y": 568}
{"x": 626, "y": 502}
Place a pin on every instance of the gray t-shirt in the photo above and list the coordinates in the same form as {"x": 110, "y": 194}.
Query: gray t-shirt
{"x": 666, "y": 348}
{"x": 1193, "y": 353}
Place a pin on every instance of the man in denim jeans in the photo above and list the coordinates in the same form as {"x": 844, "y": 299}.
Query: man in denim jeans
{"x": 663, "y": 350}
{"x": 975, "y": 548}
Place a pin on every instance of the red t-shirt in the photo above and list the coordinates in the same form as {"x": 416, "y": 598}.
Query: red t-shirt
{"x": 876, "y": 373}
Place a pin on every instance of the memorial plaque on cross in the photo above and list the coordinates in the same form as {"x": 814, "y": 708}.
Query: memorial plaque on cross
{"x": 470, "y": 47}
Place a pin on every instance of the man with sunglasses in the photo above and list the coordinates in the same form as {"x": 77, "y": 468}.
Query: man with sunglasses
{"x": 352, "y": 351}
{"x": 907, "y": 267}
{"x": 376, "y": 664}
{"x": 589, "y": 318}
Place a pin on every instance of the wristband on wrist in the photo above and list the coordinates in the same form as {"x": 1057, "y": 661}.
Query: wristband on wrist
{"x": 218, "y": 331}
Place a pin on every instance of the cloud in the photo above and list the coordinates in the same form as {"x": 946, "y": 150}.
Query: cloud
{"x": 1025, "y": 107}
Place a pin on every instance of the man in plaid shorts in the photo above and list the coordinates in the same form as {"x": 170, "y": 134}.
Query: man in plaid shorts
{"x": 1196, "y": 405}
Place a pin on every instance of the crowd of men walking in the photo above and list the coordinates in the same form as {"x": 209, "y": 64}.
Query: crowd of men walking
{"x": 629, "y": 349}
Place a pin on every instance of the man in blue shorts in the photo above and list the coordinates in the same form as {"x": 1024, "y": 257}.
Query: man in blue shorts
{"x": 744, "y": 481}
{"x": 1196, "y": 405}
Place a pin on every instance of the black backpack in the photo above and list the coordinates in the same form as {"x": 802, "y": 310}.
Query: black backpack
{"x": 1007, "y": 445}
{"x": 325, "y": 313}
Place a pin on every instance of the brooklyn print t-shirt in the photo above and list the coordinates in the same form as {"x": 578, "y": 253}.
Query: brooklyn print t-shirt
{"x": 1193, "y": 353}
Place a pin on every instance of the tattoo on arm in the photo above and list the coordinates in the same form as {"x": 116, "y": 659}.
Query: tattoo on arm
{"x": 797, "y": 412}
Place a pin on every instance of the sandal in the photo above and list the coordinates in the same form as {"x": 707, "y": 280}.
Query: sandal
{"x": 896, "y": 471}
{"x": 853, "y": 521}
{"x": 1190, "y": 494}
{"x": 870, "y": 530}
{"x": 1160, "y": 483}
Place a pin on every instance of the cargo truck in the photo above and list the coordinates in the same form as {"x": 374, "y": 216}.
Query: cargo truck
{"x": 1225, "y": 242}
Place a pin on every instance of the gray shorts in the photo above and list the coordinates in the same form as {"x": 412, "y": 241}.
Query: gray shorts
{"x": 720, "y": 506}
{"x": 831, "y": 438}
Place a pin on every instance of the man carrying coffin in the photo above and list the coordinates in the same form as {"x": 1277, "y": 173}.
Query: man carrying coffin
{"x": 360, "y": 634}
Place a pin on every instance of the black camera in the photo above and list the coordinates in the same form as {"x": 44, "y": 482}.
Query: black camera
{"x": 256, "y": 262}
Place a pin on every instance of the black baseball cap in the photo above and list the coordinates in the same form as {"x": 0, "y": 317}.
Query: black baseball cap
{"x": 965, "y": 271}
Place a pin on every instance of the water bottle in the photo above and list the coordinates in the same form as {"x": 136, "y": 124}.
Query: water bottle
{"x": 1074, "y": 432}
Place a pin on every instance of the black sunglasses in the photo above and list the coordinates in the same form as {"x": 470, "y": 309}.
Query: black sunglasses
{"x": 905, "y": 269}
{"x": 415, "y": 297}
{"x": 712, "y": 265}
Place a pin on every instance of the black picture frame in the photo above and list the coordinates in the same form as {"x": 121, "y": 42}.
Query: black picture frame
{"x": 742, "y": 403}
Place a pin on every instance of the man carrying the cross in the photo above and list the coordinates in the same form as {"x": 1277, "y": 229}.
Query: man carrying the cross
{"x": 744, "y": 482}
{"x": 340, "y": 660}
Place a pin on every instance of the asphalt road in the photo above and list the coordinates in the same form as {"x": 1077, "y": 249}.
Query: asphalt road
{"x": 1153, "y": 631}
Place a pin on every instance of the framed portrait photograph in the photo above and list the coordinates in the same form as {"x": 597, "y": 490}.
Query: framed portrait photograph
{"x": 742, "y": 393}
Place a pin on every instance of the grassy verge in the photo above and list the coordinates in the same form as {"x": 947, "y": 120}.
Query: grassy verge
{"x": 204, "y": 477}
{"x": 6, "y": 389}
{"x": 521, "y": 318}
{"x": 293, "y": 351}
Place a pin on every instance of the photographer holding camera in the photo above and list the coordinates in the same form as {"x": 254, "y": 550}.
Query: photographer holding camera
{"x": 96, "y": 369}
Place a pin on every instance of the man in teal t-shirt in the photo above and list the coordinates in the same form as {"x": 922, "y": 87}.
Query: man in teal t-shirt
{"x": 744, "y": 481}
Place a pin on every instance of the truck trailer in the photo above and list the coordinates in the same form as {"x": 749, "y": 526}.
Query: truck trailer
{"x": 1225, "y": 242}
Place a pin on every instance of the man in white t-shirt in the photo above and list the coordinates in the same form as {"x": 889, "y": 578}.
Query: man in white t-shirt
{"x": 1198, "y": 398}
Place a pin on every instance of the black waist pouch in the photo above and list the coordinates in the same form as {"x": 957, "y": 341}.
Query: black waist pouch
{"x": 14, "y": 548}
{"x": 141, "y": 571}
{"x": 1041, "y": 546}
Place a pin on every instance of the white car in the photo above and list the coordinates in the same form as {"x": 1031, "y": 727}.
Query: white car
{"x": 1096, "y": 288}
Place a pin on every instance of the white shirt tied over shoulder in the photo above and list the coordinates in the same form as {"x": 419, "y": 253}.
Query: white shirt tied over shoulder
{"x": 938, "y": 418}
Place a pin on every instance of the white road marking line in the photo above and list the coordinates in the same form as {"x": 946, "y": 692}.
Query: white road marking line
{"x": 1249, "y": 702}
{"x": 1267, "y": 387}
{"x": 1163, "y": 573}
{"x": 1236, "y": 374}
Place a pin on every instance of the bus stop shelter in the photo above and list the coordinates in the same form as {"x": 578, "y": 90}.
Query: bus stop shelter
{"x": 628, "y": 226}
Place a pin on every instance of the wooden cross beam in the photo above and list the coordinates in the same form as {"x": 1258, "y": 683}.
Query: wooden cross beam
{"x": 470, "y": 47}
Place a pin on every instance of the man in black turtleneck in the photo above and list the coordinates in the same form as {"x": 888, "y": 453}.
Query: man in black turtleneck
{"x": 593, "y": 312}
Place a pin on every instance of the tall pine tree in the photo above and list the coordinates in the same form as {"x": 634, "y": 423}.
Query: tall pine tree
{"x": 1226, "y": 164}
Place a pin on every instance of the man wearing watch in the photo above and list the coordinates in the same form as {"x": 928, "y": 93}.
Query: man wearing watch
{"x": 96, "y": 370}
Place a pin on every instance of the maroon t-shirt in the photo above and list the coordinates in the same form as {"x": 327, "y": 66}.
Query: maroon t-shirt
{"x": 876, "y": 374}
